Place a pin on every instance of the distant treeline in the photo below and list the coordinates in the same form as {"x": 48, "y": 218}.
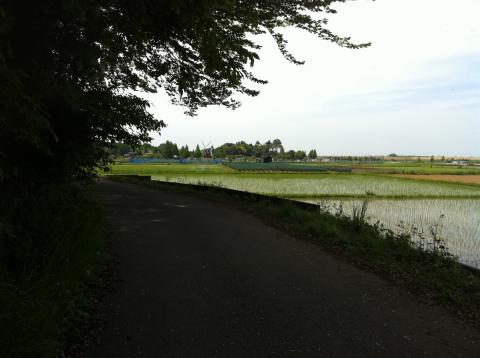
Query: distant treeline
{"x": 273, "y": 148}
{"x": 240, "y": 149}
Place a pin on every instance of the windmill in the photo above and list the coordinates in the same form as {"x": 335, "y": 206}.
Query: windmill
{"x": 207, "y": 151}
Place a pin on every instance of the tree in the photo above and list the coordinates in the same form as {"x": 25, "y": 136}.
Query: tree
{"x": 66, "y": 67}
{"x": 312, "y": 154}
{"x": 120, "y": 149}
{"x": 290, "y": 155}
{"x": 277, "y": 146}
{"x": 300, "y": 155}
{"x": 184, "y": 152}
{"x": 197, "y": 153}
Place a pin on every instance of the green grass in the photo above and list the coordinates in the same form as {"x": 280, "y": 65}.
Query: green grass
{"x": 43, "y": 304}
{"x": 396, "y": 257}
{"x": 155, "y": 169}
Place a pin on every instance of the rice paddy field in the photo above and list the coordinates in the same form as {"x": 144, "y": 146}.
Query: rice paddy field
{"x": 458, "y": 220}
{"x": 283, "y": 167}
{"x": 328, "y": 185}
{"x": 399, "y": 203}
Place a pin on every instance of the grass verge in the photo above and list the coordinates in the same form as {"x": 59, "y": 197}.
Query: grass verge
{"x": 45, "y": 301}
{"x": 434, "y": 274}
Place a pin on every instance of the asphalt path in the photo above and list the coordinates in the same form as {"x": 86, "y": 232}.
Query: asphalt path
{"x": 201, "y": 279}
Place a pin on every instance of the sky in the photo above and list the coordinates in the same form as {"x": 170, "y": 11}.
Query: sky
{"x": 415, "y": 91}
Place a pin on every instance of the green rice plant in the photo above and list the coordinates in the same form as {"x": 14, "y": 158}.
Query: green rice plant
{"x": 330, "y": 185}
{"x": 436, "y": 224}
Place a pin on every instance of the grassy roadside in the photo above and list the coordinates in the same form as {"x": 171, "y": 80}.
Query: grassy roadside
{"x": 46, "y": 300}
{"x": 433, "y": 274}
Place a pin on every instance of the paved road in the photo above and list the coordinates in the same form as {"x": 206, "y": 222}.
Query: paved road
{"x": 200, "y": 279}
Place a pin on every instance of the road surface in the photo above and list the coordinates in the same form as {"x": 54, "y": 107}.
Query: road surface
{"x": 200, "y": 279}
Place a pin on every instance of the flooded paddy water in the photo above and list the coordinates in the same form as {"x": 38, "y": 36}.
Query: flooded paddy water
{"x": 458, "y": 220}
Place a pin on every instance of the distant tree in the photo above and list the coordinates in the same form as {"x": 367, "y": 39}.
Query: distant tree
{"x": 300, "y": 155}
{"x": 290, "y": 155}
{"x": 168, "y": 150}
{"x": 312, "y": 154}
{"x": 175, "y": 151}
{"x": 120, "y": 149}
{"x": 432, "y": 159}
{"x": 257, "y": 149}
{"x": 197, "y": 153}
{"x": 209, "y": 152}
{"x": 277, "y": 146}
{"x": 184, "y": 152}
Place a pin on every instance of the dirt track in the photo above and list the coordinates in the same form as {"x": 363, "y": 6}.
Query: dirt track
{"x": 198, "y": 279}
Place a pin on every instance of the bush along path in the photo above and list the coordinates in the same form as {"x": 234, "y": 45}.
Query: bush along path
{"x": 204, "y": 279}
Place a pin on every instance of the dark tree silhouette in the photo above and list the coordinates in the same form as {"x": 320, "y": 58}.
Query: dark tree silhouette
{"x": 67, "y": 69}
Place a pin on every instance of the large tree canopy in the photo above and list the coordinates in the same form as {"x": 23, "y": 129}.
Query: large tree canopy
{"x": 68, "y": 70}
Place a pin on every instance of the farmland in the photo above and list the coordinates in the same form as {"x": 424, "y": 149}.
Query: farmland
{"x": 400, "y": 203}
{"x": 465, "y": 179}
{"x": 284, "y": 167}
{"x": 327, "y": 185}
{"x": 458, "y": 220}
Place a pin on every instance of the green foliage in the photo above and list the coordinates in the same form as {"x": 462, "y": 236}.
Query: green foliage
{"x": 248, "y": 150}
{"x": 66, "y": 68}
{"x": 168, "y": 150}
{"x": 312, "y": 154}
{"x": 290, "y": 155}
{"x": 184, "y": 152}
{"x": 300, "y": 155}
{"x": 42, "y": 288}
{"x": 197, "y": 153}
